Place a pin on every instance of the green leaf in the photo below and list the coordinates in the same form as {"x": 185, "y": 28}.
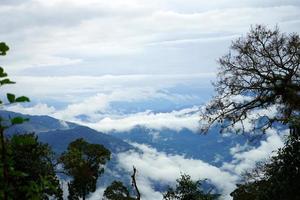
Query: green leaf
{"x": 22, "y": 99}
{"x": 2, "y": 73}
{"x": 6, "y": 81}
{"x": 3, "y": 48}
{"x": 18, "y": 120}
{"x": 11, "y": 97}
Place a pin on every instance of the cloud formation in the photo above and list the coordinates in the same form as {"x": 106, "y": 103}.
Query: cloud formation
{"x": 175, "y": 120}
{"x": 69, "y": 37}
{"x": 165, "y": 169}
{"x": 154, "y": 166}
{"x": 98, "y": 98}
{"x": 246, "y": 157}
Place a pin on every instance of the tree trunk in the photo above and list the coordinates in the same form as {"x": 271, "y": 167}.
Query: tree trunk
{"x": 138, "y": 194}
{"x": 295, "y": 131}
{"x": 4, "y": 161}
{"x": 83, "y": 194}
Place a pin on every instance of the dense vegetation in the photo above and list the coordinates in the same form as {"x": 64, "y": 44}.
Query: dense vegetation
{"x": 277, "y": 179}
{"x": 262, "y": 68}
{"x": 187, "y": 189}
{"x": 117, "y": 191}
{"x": 84, "y": 163}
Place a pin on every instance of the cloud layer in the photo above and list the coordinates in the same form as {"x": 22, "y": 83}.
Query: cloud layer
{"x": 119, "y": 103}
{"x": 70, "y": 37}
{"x": 154, "y": 166}
{"x": 165, "y": 169}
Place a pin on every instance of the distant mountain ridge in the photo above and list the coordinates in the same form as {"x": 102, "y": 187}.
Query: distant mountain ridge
{"x": 58, "y": 134}
{"x": 213, "y": 148}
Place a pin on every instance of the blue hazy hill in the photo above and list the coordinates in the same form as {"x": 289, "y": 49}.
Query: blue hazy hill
{"x": 58, "y": 134}
{"x": 212, "y": 147}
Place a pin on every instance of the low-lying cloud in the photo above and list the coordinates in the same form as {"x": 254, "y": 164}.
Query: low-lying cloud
{"x": 154, "y": 166}
{"x": 175, "y": 120}
{"x": 165, "y": 169}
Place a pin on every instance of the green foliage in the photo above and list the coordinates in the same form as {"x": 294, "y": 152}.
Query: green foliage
{"x": 18, "y": 120}
{"x": 84, "y": 162}
{"x": 187, "y": 189}
{"x": 4, "y": 80}
{"x": 117, "y": 191}
{"x": 27, "y": 171}
{"x": 3, "y": 48}
{"x": 31, "y": 170}
{"x": 280, "y": 177}
{"x": 12, "y": 98}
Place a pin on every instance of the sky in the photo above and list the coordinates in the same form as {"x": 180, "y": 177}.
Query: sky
{"x": 112, "y": 65}
{"x": 116, "y": 57}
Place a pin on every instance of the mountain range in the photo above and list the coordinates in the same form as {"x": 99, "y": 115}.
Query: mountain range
{"x": 212, "y": 148}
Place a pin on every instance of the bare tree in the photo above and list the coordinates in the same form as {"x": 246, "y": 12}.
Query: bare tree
{"x": 134, "y": 184}
{"x": 262, "y": 68}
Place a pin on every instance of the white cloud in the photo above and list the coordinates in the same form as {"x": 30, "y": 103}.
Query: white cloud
{"x": 175, "y": 120}
{"x": 116, "y": 35}
{"x": 165, "y": 169}
{"x": 73, "y": 89}
{"x": 97, "y": 194}
{"x": 91, "y": 107}
{"x": 155, "y": 166}
{"x": 246, "y": 158}
{"x": 93, "y": 97}
{"x": 38, "y": 109}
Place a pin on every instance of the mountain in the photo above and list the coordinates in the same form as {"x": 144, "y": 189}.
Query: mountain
{"x": 212, "y": 147}
{"x": 58, "y": 134}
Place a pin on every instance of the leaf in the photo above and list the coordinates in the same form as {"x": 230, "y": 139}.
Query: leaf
{"x": 2, "y": 73}
{"x": 3, "y": 48}
{"x": 22, "y": 99}
{"x": 6, "y": 81}
{"x": 18, "y": 120}
{"x": 11, "y": 97}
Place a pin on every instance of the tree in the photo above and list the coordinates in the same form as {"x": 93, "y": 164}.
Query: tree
{"x": 261, "y": 72}
{"x": 134, "y": 184}
{"x": 84, "y": 162}
{"x": 263, "y": 68}
{"x": 5, "y": 166}
{"x": 187, "y": 189}
{"x": 277, "y": 179}
{"x": 117, "y": 191}
{"x": 33, "y": 175}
